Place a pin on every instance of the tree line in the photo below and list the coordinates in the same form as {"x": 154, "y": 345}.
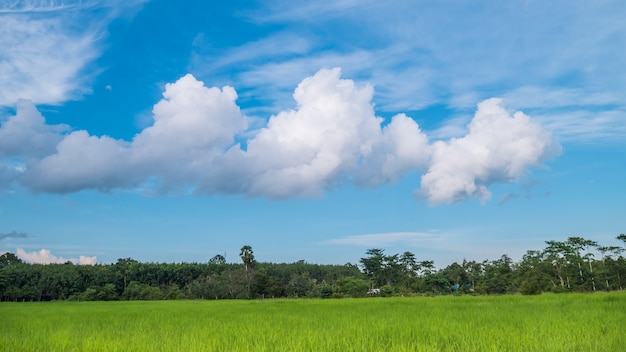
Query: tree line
{"x": 573, "y": 265}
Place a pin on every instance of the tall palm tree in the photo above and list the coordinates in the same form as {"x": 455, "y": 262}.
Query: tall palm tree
{"x": 247, "y": 256}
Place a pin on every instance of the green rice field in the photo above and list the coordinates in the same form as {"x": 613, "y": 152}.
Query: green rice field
{"x": 568, "y": 322}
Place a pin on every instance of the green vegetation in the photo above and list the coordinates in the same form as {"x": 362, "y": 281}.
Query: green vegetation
{"x": 574, "y": 265}
{"x": 576, "y": 322}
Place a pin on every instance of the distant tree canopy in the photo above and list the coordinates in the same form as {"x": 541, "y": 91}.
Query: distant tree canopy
{"x": 8, "y": 259}
{"x": 573, "y": 265}
{"x": 218, "y": 259}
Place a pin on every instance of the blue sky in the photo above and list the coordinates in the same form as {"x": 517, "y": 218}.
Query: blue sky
{"x": 172, "y": 132}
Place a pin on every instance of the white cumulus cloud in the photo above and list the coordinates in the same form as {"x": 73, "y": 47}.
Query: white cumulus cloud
{"x": 333, "y": 135}
{"x": 81, "y": 162}
{"x": 498, "y": 148}
{"x": 27, "y": 135}
{"x": 199, "y": 142}
{"x": 44, "y": 256}
{"x": 192, "y": 124}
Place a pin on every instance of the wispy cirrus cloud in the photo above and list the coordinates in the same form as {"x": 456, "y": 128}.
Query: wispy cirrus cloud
{"x": 278, "y": 11}
{"x": 587, "y": 126}
{"x": 447, "y": 245}
{"x": 418, "y": 55}
{"x": 46, "y": 45}
{"x": 42, "y": 59}
{"x": 29, "y": 6}
{"x": 574, "y": 114}
{"x": 14, "y": 234}
{"x": 387, "y": 239}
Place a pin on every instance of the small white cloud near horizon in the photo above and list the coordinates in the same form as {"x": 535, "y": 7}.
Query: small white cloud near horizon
{"x": 44, "y": 256}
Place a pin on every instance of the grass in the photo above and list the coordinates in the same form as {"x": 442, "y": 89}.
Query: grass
{"x": 572, "y": 322}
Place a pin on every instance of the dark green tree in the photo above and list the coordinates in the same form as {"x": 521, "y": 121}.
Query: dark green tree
{"x": 559, "y": 255}
{"x": 498, "y": 275}
{"x": 455, "y": 275}
{"x": 608, "y": 268}
{"x": 622, "y": 238}
{"x": 300, "y": 285}
{"x": 578, "y": 245}
{"x": 534, "y": 273}
{"x": 372, "y": 266}
{"x": 247, "y": 256}
{"x": 474, "y": 272}
{"x": 351, "y": 286}
{"x": 218, "y": 259}
{"x": 9, "y": 258}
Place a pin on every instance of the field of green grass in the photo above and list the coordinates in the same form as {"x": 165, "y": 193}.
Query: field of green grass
{"x": 569, "y": 322}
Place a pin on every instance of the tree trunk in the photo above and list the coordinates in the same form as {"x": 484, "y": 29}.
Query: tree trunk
{"x": 593, "y": 281}
{"x": 580, "y": 272}
{"x": 558, "y": 273}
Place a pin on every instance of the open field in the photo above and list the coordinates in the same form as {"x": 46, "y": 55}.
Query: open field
{"x": 571, "y": 322}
